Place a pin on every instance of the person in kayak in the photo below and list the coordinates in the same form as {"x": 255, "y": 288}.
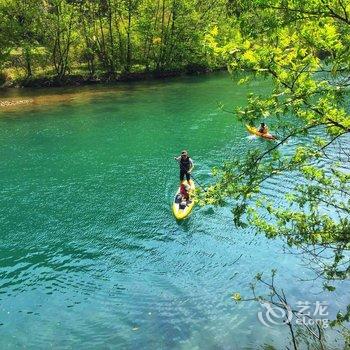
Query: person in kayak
{"x": 186, "y": 166}
{"x": 263, "y": 128}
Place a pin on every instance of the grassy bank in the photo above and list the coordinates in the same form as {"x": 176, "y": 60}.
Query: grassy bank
{"x": 13, "y": 79}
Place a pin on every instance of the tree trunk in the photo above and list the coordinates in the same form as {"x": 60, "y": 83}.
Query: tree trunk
{"x": 128, "y": 41}
{"x": 111, "y": 40}
{"x": 28, "y": 59}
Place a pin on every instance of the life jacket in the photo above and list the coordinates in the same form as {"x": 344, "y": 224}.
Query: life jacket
{"x": 185, "y": 164}
{"x": 264, "y": 130}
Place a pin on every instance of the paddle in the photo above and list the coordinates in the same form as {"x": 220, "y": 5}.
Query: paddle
{"x": 198, "y": 183}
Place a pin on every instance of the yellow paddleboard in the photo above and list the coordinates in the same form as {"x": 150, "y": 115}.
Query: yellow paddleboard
{"x": 182, "y": 210}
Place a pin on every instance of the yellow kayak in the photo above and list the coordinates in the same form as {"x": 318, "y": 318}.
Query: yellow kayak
{"x": 256, "y": 132}
{"x": 182, "y": 209}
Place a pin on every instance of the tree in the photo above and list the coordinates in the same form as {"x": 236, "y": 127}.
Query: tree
{"x": 303, "y": 47}
{"x": 21, "y": 29}
{"x": 61, "y": 21}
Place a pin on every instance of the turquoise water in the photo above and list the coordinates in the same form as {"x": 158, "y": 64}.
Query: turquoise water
{"x": 91, "y": 256}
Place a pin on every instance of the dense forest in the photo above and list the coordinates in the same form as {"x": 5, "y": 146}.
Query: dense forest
{"x": 105, "y": 38}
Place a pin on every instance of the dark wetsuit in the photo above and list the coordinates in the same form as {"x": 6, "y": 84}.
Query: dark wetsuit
{"x": 185, "y": 166}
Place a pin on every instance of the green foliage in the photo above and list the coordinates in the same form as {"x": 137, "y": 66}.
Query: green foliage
{"x": 303, "y": 47}
{"x": 107, "y": 37}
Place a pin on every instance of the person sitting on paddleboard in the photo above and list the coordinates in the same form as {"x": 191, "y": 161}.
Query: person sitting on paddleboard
{"x": 183, "y": 204}
{"x": 186, "y": 166}
{"x": 263, "y": 128}
{"x": 184, "y": 191}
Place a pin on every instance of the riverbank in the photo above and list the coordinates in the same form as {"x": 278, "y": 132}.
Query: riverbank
{"x": 15, "y": 102}
{"x": 82, "y": 80}
{"x": 44, "y": 91}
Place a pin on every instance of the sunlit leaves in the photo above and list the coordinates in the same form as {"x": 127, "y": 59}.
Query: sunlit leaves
{"x": 303, "y": 47}
{"x": 236, "y": 297}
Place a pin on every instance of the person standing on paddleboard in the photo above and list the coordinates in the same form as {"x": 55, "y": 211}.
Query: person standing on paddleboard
{"x": 186, "y": 166}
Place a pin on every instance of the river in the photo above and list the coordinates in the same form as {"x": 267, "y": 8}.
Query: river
{"x": 90, "y": 254}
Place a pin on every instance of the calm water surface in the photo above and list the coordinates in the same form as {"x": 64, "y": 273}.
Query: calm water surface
{"x": 90, "y": 254}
